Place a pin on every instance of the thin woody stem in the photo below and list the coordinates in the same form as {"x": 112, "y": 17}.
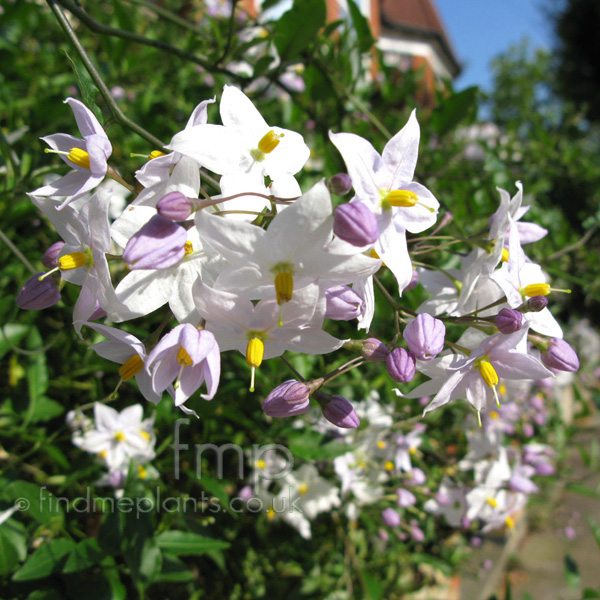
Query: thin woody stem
{"x": 117, "y": 113}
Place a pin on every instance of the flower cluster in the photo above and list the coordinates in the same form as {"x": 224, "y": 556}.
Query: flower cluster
{"x": 262, "y": 266}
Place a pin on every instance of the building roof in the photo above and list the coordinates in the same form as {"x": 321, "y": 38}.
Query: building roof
{"x": 421, "y": 19}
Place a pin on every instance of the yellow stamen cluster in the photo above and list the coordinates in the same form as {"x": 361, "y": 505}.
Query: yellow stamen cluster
{"x": 388, "y": 465}
{"x": 381, "y": 444}
{"x": 72, "y": 261}
{"x": 270, "y": 514}
{"x": 492, "y": 502}
{"x": 142, "y": 472}
{"x": 510, "y": 523}
{"x": 183, "y": 358}
{"x": 537, "y": 289}
{"x": 120, "y": 436}
{"x": 284, "y": 287}
{"x": 188, "y": 248}
{"x": 254, "y": 357}
{"x": 489, "y": 375}
{"x": 260, "y": 464}
{"x": 131, "y": 367}
{"x": 269, "y": 142}
{"x": 155, "y": 154}
{"x": 401, "y": 198}
{"x": 505, "y": 255}
{"x": 145, "y": 435}
{"x": 303, "y": 489}
{"x": 79, "y": 157}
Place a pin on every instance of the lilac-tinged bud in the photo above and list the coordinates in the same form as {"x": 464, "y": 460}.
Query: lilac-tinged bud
{"x": 543, "y": 468}
{"x": 374, "y": 350}
{"x": 417, "y": 477}
{"x": 246, "y": 493}
{"x": 476, "y": 541}
{"x": 337, "y": 410}
{"x": 391, "y": 517}
{"x": 175, "y": 206}
{"x": 509, "y": 320}
{"x": 528, "y": 430}
{"x": 383, "y": 535}
{"x": 288, "y": 399}
{"x": 340, "y": 184}
{"x": 401, "y": 365}
{"x": 536, "y": 303}
{"x": 425, "y": 336}
{"x": 356, "y": 224}
{"x": 416, "y": 533}
{"x": 520, "y": 482}
{"x": 414, "y": 280}
{"x": 537, "y": 402}
{"x": 560, "y": 356}
{"x": 36, "y": 294}
{"x": 159, "y": 244}
{"x": 405, "y": 498}
{"x": 343, "y": 303}
{"x": 50, "y": 258}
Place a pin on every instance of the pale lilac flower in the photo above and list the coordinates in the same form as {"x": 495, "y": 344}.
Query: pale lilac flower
{"x": 88, "y": 157}
{"x": 405, "y": 498}
{"x": 391, "y": 517}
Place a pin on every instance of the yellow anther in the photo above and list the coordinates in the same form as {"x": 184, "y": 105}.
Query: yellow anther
{"x": 120, "y": 436}
{"x": 494, "y": 415}
{"x": 492, "y": 502}
{"x": 381, "y": 444}
{"x": 412, "y": 451}
{"x": 303, "y": 489}
{"x": 361, "y": 464}
{"x": 509, "y": 521}
{"x": 388, "y": 465}
{"x": 260, "y": 464}
{"x": 270, "y": 514}
{"x": 502, "y": 389}
{"x": 79, "y": 157}
{"x": 401, "y": 198}
{"x": 188, "y": 248}
{"x": 72, "y": 261}
{"x": 505, "y": 255}
{"x": 131, "y": 367}
{"x": 103, "y": 454}
{"x": 374, "y": 254}
{"x": 183, "y": 358}
{"x": 142, "y": 472}
{"x": 255, "y": 352}
{"x": 269, "y": 142}
{"x": 284, "y": 287}
{"x": 254, "y": 357}
{"x": 155, "y": 154}
{"x": 145, "y": 435}
{"x": 488, "y": 373}
{"x": 537, "y": 289}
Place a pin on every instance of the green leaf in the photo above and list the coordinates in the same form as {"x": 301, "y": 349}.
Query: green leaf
{"x": 10, "y": 335}
{"x": 452, "y": 110}
{"x": 37, "y": 501}
{"x": 298, "y": 27}
{"x": 47, "y": 559}
{"x": 187, "y": 543}
{"x": 87, "y": 87}
{"x": 46, "y": 409}
{"x": 583, "y": 490}
{"x": 595, "y": 529}
{"x": 269, "y": 4}
{"x": 45, "y": 595}
{"x": 373, "y": 587}
{"x": 364, "y": 36}
{"x": 174, "y": 570}
{"x": 84, "y": 555}
{"x": 590, "y": 594}
{"x": 309, "y": 446}
{"x": 37, "y": 374}
{"x": 96, "y": 584}
{"x": 9, "y": 553}
{"x": 572, "y": 576}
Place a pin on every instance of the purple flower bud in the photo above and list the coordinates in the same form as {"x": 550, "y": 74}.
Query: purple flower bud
{"x": 425, "y": 336}
{"x": 245, "y": 493}
{"x": 401, "y": 365}
{"x": 543, "y": 468}
{"x": 560, "y": 356}
{"x": 340, "y": 184}
{"x": 343, "y": 303}
{"x": 159, "y": 244}
{"x": 508, "y": 320}
{"x": 175, "y": 206}
{"x": 356, "y": 224}
{"x": 416, "y": 533}
{"x": 383, "y": 535}
{"x": 374, "y": 350}
{"x": 537, "y": 303}
{"x": 476, "y": 541}
{"x": 50, "y": 258}
{"x": 417, "y": 477}
{"x": 519, "y": 480}
{"x": 405, "y": 498}
{"x": 528, "y": 430}
{"x": 537, "y": 402}
{"x": 570, "y": 532}
{"x": 288, "y": 399}
{"x": 414, "y": 280}
{"x": 340, "y": 412}
{"x": 391, "y": 517}
{"x": 36, "y": 294}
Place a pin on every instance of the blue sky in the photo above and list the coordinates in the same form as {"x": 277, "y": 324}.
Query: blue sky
{"x": 482, "y": 29}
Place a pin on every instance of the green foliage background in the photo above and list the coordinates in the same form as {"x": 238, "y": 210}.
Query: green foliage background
{"x": 49, "y": 552}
